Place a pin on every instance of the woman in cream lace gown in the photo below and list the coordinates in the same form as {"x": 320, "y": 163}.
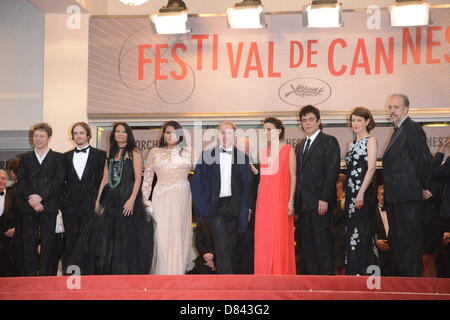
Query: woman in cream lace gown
{"x": 171, "y": 204}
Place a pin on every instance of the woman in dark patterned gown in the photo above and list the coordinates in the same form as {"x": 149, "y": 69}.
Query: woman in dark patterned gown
{"x": 120, "y": 240}
{"x": 361, "y": 251}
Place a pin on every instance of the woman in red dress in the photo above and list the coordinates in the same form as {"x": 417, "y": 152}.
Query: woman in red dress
{"x": 274, "y": 226}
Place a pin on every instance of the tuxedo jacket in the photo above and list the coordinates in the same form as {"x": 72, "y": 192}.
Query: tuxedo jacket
{"x": 379, "y": 227}
{"x": 203, "y": 239}
{"x": 384, "y": 257}
{"x": 46, "y": 180}
{"x": 9, "y": 217}
{"x": 204, "y": 244}
{"x": 406, "y": 164}
{"x": 205, "y": 185}
{"x": 253, "y": 190}
{"x": 442, "y": 173}
{"x": 80, "y": 195}
{"x": 317, "y": 173}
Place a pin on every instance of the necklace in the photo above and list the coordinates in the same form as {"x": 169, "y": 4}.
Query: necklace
{"x": 115, "y": 172}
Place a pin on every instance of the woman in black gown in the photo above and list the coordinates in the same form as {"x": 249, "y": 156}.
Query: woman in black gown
{"x": 361, "y": 251}
{"x": 120, "y": 240}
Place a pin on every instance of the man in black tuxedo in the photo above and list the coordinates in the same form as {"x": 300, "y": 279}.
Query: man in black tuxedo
{"x": 338, "y": 226}
{"x": 41, "y": 181}
{"x": 8, "y": 216}
{"x": 406, "y": 174}
{"x": 382, "y": 229}
{"x": 318, "y": 163}
{"x": 84, "y": 172}
{"x": 220, "y": 190}
{"x": 204, "y": 263}
{"x": 441, "y": 172}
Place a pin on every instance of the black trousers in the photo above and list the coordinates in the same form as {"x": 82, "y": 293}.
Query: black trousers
{"x": 317, "y": 242}
{"x": 224, "y": 230}
{"x": 38, "y": 229}
{"x": 405, "y": 237}
{"x": 386, "y": 262}
{"x": 7, "y": 257}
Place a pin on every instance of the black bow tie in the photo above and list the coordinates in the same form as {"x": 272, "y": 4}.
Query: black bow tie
{"x": 82, "y": 150}
{"x": 2, "y": 193}
{"x": 382, "y": 208}
{"x": 225, "y": 151}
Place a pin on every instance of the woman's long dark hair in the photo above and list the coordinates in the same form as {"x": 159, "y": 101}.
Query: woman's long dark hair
{"x": 278, "y": 124}
{"x": 179, "y": 131}
{"x": 114, "y": 148}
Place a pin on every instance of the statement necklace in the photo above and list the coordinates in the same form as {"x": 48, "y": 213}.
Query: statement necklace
{"x": 115, "y": 172}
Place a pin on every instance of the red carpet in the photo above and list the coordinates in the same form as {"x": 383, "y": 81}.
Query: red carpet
{"x": 218, "y": 287}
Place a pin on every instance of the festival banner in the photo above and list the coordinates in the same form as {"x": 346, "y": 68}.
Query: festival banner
{"x": 214, "y": 69}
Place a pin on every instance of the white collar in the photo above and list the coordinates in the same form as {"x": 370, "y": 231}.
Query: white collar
{"x": 86, "y": 146}
{"x": 229, "y": 149}
{"x": 45, "y": 153}
{"x": 314, "y": 136}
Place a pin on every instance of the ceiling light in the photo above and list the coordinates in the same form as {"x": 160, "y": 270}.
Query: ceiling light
{"x": 133, "y": 2}
{"x": 407, "y": 13}
{"x": 324, "y": 14}
{"x": 248, "y": 14}
{"x": 171, "y": 19}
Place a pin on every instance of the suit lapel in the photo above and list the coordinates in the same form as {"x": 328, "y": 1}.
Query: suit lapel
{"x": 313, "y": 146}
{"x": 8, "y": 201}
{"x": 216, "y": 165}
{"x": 394, "y": 137}
{"x": 89, "y": 161}
{"x": 234, "y": 169}
{"x": 72, "y": 167}
{"x": 45, "y": 162}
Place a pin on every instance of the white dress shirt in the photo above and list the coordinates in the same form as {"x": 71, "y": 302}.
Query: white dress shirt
{"x": 79, "y": 161}
{"x": 384, "y": 218}
{"x": 312, "y": 138}
{"x": 226, "y": 161}
{"x": 41, "y": 159}
{"x": 2, "y": 202}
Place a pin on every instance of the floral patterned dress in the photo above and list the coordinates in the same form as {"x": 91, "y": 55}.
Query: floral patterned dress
{"x": 361, "y": 251}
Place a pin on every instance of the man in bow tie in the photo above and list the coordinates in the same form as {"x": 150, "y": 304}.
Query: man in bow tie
{"x": 382, "y": 228}
{"x": 84, "y": 172}
{"x": 8, "y": 216}
{"x": 406, "y": 178}
{"x": 220, "y": 192}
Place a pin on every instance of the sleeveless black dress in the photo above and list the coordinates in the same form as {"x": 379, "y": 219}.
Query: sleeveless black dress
{"x": 361, "y": 251}
{"x": 113, "y": 243}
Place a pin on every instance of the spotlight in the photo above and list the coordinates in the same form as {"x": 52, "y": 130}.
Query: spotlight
{"x": 172, "y": 18}
{"x": 248, "y": 14}
{"x": 324, "y": 14}
{"x": 408, "y": 13}
{"x": 133, "y": 2}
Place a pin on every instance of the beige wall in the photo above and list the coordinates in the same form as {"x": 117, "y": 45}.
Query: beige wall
{"x": 65, "y": 76}
{"x": 21, "y": 64}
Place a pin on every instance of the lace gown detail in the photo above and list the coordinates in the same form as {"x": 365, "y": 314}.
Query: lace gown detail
{"x": 361, "y": 250}
{"x": 171, "y": 205}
